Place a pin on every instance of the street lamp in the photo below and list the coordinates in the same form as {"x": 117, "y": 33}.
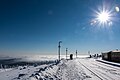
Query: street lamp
{"x": 76, "y": 53}
{"x": 66, "y": 52}
{"x": 88, "y": 52}
{"x": 59, "y": 50}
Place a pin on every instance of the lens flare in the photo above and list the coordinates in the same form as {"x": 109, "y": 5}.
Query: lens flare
{"x": 117, "y": 9}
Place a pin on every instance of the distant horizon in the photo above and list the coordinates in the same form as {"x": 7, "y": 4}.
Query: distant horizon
{"x": 56, "y": 54}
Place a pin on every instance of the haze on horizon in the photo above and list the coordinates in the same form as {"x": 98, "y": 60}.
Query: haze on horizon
{"x": 36, "y": 26}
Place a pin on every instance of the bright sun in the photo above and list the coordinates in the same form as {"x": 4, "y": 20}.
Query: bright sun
{"x": 103, "y": 17}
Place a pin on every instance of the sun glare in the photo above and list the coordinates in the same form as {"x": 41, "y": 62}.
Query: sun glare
{"x": 103, "y": 17}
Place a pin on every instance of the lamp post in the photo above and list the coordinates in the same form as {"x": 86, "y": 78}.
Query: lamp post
{"x": 66, "y": 52}
{"x": 76, "y": 53}
{"x": 88, "y": 52}
{"x": 59, "y": 50}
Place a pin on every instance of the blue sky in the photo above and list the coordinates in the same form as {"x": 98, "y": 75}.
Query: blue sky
{"x": 36, "y": 26}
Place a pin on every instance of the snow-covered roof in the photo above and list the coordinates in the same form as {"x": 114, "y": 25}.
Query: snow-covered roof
{"x": 112, "y": 51}
{"x": 116, "y": 51}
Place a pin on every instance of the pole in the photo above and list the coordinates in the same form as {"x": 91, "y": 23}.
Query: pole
{"x": 76, "y": 53}
{"x": 66, "y": 52}
{"x": 88, "y": 52}
{"x": 59, "y": 50}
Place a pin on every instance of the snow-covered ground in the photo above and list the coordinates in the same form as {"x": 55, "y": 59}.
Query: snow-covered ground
{"x": 76, "y": 69}
{"x": 101, "y": 70}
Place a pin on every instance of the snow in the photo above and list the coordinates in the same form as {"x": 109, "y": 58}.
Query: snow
{"x": 80, "y": 68}
{"x": 108, "y": 62}
{"x": 104, "y": 71}
{"x": 3, "y": 70}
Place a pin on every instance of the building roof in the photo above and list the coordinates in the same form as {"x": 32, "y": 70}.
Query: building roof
{"x": 116, "y": 51}
{"x": 112, "y": 51}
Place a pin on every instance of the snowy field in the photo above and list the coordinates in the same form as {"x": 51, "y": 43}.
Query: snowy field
{"x": 80, "y": 68}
